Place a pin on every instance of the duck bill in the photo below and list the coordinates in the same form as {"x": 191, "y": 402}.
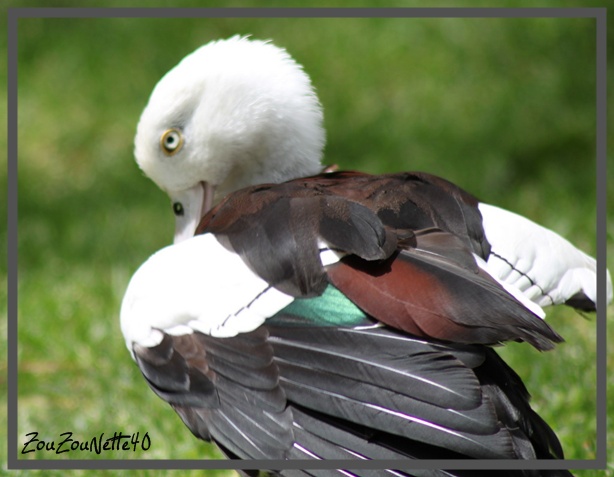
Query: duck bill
{"x": 190, "y": 206}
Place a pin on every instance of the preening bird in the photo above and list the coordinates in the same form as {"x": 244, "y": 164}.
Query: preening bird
{"x": 334, "y": 315}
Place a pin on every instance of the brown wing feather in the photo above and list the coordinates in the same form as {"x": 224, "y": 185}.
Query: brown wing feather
{"x": 433, "y": 287}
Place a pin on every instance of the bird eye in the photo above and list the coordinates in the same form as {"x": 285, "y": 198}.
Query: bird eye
{"x": 171, "y": 141}
{"x": 178, "y": 208}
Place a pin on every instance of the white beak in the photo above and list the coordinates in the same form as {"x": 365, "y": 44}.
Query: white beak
{"x": 190, "y": 206}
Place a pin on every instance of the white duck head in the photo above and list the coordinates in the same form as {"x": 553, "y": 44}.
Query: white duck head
{"x": 233, "y": 113}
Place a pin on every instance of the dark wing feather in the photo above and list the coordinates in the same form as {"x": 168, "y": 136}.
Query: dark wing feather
{"x": 581, "y": 302}
{"x": 355, "y": 229}
{"x": 276, "y": 231}
{"x": 353, "y": 406}
{"x": 172, "y": 378}
{"x": 223, "y": 389}
{"x": 270, "y": 246}
{"x": 498, "y": 402}
{"x": 511, "y": 399}
{"x": 404, "y": 363}
{"x": 410, "y": 200}
{"x": 351, "y": 381}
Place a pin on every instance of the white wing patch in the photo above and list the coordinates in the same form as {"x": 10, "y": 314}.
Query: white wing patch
{"x": 196, "y": 285}
{"x": 327, "y": 255}
{"x": 541, "y": 264}
{"x": 511, "y": 289}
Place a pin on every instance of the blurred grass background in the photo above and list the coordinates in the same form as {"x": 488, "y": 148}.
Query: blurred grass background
{"x": 503, "y": 107}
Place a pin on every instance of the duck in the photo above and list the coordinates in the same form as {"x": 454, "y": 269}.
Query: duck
{"x": 308, "y": 313}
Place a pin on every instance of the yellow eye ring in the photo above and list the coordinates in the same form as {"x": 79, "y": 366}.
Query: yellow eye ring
{"x": 171, "y": 141}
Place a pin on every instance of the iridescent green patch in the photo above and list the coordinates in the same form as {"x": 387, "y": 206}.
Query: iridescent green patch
{"x": 332, "y": 308}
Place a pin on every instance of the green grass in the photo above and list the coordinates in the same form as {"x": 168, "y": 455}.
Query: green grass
{"x": 504, "y": 108}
